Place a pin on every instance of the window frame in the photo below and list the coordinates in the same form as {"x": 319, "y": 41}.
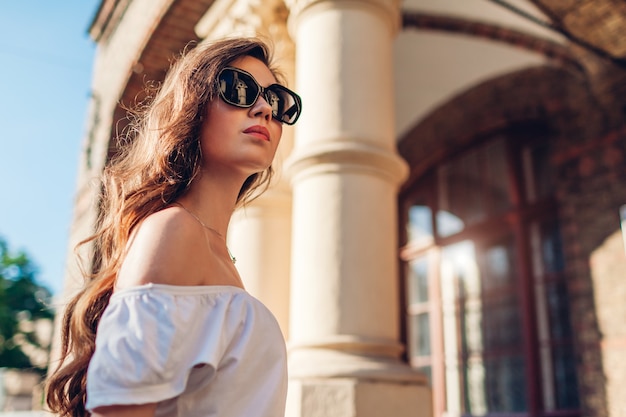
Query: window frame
{"x": 514, "y": 222}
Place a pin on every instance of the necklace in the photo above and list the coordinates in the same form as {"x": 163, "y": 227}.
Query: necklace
{"x": 232, "y": 258}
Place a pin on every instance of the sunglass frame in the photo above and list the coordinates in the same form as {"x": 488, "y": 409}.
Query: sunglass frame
{"x": 261, "y": 91}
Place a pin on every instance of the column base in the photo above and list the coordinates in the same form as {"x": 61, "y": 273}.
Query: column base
{"x": 310, "y": 363}
{"x": 331, "y": 383}
{"x": 356, "y": 397}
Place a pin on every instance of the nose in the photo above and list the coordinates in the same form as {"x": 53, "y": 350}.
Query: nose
{"x": 261, "y": 108}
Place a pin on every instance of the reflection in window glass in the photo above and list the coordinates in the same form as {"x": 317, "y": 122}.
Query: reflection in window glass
{"x": 558, "y": 310}
{"x": 420, "y": 335}
{"x": 448, "y": 224}
{"x": 459, "y": 190}
{"x": 488, "y": 321}
{"x": 427, "y": 371}
{"x": 472, "y": 187}
{"x": 551, "y": 248}
{"x": 503, "y": 325}
{"x": 419, "y": 331}
{"x": 537, "y": 172}
{"x": 565, "y": 378}
{"x": 505, "y": 384}
{"x": 496, "y": 185}
{"x": 498, "y": 270}
{"x": 418, "y": 280}
{"x": 420, "y": 227}
{"x": 556, "y": 300}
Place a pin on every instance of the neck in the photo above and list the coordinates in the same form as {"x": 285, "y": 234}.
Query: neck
{"x": 212, "y": 201}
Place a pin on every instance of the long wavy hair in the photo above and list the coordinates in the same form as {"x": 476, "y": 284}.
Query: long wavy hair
{"x": 159, "y": 158}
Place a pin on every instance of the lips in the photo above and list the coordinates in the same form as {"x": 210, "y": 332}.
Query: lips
{"x": 258, "y": 131}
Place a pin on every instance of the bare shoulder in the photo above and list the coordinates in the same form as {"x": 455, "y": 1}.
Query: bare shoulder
{"x": 164, "y": 249}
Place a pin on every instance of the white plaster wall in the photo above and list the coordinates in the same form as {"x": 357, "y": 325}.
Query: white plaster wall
{"x": 486, "y": 11}
{"x": 431, "y": 67}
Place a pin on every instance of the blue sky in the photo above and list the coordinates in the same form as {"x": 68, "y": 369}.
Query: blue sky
{"x": 46, "y": 59}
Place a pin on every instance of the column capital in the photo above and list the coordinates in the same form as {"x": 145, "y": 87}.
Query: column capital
{"x": 245, "y": 18}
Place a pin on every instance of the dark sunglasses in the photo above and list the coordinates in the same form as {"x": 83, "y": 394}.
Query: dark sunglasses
{"x": 239, "y": 88}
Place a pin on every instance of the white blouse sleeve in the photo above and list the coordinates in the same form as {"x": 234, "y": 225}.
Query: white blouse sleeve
{"x": 147, "y": 344}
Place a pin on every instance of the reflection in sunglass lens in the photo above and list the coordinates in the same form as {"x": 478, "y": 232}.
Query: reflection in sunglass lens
{"x": 240, "y": 89}
{"x": 286, "y": 107}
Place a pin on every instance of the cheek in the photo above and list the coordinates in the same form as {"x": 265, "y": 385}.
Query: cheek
{"x": 278, "y": 132}
{"x": 211, "y": 137}
{"x": 218, "y": 124}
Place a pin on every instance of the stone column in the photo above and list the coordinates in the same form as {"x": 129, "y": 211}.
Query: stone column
{"x": 344, "y": 322}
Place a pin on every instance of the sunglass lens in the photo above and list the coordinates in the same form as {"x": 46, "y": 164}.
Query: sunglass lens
{"x": 283, "y": 102}
{"x": 237, "y": 88}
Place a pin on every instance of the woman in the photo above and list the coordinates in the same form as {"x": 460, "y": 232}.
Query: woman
{"x": 164, "y": 327}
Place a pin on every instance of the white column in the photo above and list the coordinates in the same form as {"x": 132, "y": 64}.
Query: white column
{"x": 344, "y": 322}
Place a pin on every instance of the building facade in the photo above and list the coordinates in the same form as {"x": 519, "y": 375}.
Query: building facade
{"x": 444, "y": 237}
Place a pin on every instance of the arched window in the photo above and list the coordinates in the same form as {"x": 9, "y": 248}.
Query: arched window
{"x": 487, "y": 315}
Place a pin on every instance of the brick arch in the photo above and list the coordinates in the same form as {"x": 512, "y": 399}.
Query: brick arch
{"x": 544, "y": 97}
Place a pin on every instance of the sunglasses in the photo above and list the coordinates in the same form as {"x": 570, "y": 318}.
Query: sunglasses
{"x": 239, "y": 88}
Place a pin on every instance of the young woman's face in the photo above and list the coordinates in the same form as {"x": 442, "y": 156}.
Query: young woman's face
{"x": 244, "y": 139}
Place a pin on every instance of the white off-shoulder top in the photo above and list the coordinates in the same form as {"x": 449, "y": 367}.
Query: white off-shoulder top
{"x": 197, "y": 351}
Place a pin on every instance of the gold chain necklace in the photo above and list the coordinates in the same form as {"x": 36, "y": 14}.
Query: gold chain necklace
{"x": 232, "y": 258}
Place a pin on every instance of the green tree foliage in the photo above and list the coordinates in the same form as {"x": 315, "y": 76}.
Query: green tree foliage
{"x": 23, "y": 302}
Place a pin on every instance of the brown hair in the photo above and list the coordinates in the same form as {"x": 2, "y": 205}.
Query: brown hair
{"x": 160, "y": 159}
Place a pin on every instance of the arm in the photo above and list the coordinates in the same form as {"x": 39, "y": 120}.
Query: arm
{"x": 142, "y": 410}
